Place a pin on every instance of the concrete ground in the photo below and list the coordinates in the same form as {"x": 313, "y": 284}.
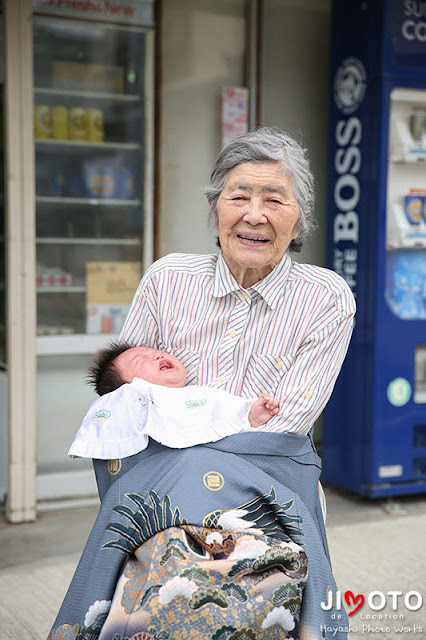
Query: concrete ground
{"x": 376, "y": 546}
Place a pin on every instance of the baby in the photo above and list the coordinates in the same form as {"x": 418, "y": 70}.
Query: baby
{"x": 142, "y": 394}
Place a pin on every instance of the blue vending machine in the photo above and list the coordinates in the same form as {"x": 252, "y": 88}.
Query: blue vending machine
{"x": 374, "y": 429}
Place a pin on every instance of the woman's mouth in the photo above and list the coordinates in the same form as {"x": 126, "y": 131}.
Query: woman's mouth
{"x": 252, "y": 239}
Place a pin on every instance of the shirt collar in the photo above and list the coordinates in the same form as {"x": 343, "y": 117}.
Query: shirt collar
{"x": 271, "y": 288}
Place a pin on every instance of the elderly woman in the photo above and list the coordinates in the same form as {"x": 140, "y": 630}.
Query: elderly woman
{"x": 214, "y": 541}
{"x": 249, "y": 320}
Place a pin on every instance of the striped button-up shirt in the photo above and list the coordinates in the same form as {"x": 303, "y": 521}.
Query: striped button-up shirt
{"x": 287, "y": 334}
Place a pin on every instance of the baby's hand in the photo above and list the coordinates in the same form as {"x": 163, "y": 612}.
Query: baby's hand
{"x": 262, "y": 410}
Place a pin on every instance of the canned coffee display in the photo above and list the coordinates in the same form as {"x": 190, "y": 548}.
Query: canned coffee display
{"x": 413, "y": 208}
{"x": 417, "y": 125}
{"x": 95, "y": 119}
{"x": 59, "y": 123}
{"x": 93, "y": 181}
{"x": 77, "y": 124}
{"x": 58, "y": 184}
{"x": 110, "y": 183}
{"x": 127, "y": 184}
{"x": 42, "y": 121}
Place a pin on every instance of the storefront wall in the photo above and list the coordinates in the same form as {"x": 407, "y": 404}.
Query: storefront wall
{"x": 203, "y": 49}
{"x": 293, "y": 95}
{"x": 295, "y": 90}
{"x": 55, "y": 220}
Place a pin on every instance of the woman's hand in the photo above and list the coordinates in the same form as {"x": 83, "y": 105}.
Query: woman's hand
{"x": 262, "y": 410}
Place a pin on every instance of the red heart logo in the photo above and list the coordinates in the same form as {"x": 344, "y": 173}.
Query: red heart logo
{"x": 359, "y": 598}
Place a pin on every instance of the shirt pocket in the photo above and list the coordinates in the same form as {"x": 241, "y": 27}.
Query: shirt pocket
{"x": 190, "y": 360}
{"x": 265, "y": 372}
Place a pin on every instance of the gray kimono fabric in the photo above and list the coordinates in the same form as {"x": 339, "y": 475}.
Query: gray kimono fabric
{"x": 260, "y": 481}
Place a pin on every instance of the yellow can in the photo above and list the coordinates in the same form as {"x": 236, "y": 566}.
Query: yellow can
{"x": 60, "y": 123}
{"x": 77, "y": 124}
{"x": 95, "y": 125}
{"x": 42, "y": 121}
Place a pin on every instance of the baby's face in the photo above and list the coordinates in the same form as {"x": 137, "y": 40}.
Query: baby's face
{"x": 151, "y": 365}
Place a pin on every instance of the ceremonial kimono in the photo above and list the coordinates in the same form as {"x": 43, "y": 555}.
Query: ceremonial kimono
{"x": 221, "y": 541}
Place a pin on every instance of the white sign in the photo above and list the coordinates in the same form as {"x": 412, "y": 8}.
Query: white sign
{"x": 347, "y": 193}
{"x": 128, "y": 11}
{"x": 234, "y": 113}
{"x": 350, "y": 85}
{"x": 390, "y": 471}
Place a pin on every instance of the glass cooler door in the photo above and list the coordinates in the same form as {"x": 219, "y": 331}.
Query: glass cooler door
{"x": 406, "y": 220}
{"x": 93, "y": 130}
{"x": 3, "y": 366}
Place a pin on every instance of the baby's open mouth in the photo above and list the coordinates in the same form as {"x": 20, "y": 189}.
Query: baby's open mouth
{"x": 166, "y": 365}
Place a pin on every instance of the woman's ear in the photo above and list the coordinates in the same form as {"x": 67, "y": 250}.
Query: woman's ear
{"x": 296, "y": 228}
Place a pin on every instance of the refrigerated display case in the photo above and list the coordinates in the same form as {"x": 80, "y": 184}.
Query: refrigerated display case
{"x": 405, "y": 288}
{"x": 90, "y": 138}
{"x": 3, "y": 366}
{"x": 374, "y": 428}
{"x": 93, "y": 133}
{"x": 406, "y": 185}
{"x": 2, "y": 216}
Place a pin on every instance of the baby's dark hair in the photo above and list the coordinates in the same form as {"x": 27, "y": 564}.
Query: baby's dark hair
{"x": 103, "y": 374}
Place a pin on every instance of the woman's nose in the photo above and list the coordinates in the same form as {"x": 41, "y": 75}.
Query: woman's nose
{"x": 254, "y": 214}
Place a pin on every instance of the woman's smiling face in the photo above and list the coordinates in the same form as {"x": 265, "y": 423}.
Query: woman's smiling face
{"x": 257, "y": 219}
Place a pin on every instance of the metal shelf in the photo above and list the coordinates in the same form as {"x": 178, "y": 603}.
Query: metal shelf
{"x": 60, "y": 289}
{"x": 408, "y": 95}
{"x": 75, "y": 344}
{"x": 68, "y": 145}
{"x": 98, "y": 95}
{"x": 415, "y": 156}
{"x": 104, "y": 202}
{"x": 80, "y": 241}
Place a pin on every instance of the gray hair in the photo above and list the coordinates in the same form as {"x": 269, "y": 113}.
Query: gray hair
{"x": 268, "y": 144}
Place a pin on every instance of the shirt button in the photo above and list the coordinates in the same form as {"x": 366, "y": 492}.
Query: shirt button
{"x": 232, "y": 333}
{"x": 279, "y": 365}
{"x": 308, "y": 395}
{"x": 245, "y": 296}
{"x": 221, "y": 379}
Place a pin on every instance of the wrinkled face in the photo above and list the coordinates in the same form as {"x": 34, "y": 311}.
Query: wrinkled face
{"x": 257, "y": 219}
{"x": 150, "y": 365}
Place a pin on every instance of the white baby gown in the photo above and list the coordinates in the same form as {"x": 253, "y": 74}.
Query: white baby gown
{"x": 118, "y": 424}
